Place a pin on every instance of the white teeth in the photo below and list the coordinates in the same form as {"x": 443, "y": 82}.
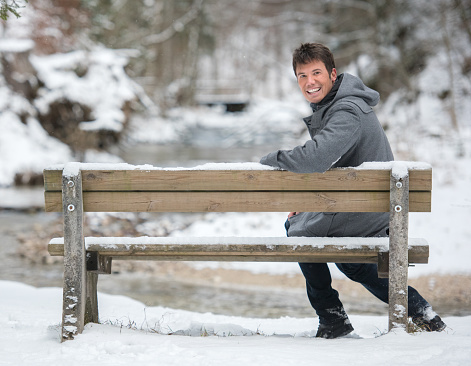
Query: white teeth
{"x": 313, "y": 90}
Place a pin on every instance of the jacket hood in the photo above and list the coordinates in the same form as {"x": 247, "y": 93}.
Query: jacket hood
{"x": 348, "y": 85}
{"x": 352, "y": 86}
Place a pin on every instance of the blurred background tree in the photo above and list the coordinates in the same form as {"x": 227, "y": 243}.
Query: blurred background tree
{"x": 191, "y": 47}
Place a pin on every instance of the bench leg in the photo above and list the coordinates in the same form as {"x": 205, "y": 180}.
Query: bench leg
{"x": 91, "y": 307}
{"x": 75, "y": 284}
{"x": 398, "y": 250}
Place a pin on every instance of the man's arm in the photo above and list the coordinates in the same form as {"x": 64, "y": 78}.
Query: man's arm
{"x": 339, "y": 135}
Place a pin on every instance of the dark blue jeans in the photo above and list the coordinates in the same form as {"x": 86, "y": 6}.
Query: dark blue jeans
{"x": 324, "y": 298}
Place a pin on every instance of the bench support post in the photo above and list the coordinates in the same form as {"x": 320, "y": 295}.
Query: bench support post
{"x": 91, "y": 306}
{"x": 76, "y": 279}
{"x": 398, "y": 248}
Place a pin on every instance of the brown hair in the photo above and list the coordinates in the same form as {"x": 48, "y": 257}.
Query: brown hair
{"x": 309, "y": 52}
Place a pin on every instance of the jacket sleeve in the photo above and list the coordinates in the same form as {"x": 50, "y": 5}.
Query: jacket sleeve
{"x": 340, "y": 134}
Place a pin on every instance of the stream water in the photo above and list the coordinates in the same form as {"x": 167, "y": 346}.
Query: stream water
{"x": 177, "y": 155}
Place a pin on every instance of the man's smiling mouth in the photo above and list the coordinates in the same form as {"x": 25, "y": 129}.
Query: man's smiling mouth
{"x": 313, "y": 90}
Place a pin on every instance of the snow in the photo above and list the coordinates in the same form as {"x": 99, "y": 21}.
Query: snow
{"x": 71, "y": 170}
{"x": 76, "y": 166}
{"x": 341, "y": 243}
{"x": 15, "y": 45}
{"x": 104, "y": 87}
{"x": 399, "y": 171}
{"x": 25, "y": 147}
{"x": 399, "y": 168}
{"x": 130, "y": 332}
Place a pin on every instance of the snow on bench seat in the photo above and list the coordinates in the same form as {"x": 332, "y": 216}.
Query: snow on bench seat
{"x": 263, "y": 249}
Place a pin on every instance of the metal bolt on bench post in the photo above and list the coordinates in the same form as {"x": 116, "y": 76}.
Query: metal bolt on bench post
{"x": 398, "y": 248}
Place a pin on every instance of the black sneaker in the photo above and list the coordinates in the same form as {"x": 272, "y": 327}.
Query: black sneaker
{"x": 433, "y": 325}
{"x": 334, "y": 330}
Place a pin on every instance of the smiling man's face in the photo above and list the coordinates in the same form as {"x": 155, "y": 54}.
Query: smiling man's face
{"x": 315, "y": 81}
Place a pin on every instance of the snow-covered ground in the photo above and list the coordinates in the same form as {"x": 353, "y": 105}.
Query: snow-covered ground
{"x": 131, "y": 333}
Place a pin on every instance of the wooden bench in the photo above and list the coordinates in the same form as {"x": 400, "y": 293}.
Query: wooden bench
{"x": 395, "y": 187}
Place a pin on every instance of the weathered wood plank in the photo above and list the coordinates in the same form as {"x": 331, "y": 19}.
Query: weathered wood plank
{"x": 239, "y": 201}
{"x": 420, "y": 180}
{"x": 279, "y": 249}
{"x": 52, "y": 181}
{"x": 237, "y": 180}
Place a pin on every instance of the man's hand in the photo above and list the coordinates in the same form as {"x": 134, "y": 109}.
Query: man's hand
{"x": 291, "y": 214}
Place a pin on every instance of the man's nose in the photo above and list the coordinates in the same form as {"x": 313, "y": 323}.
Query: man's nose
{"x": 311, "y": 79}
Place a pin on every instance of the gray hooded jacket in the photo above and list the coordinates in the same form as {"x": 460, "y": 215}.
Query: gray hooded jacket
{"x": 345, "y": 132}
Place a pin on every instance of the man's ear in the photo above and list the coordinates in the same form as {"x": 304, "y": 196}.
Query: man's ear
{"x": 333, "y": 75}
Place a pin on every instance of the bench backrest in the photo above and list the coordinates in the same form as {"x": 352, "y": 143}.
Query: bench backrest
{"x": 135, "y": 189}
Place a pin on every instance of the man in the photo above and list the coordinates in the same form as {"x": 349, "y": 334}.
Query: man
{"x": 344, "y": 132}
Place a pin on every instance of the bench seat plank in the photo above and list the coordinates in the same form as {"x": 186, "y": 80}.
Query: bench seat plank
{"x": 264, "y": 249}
